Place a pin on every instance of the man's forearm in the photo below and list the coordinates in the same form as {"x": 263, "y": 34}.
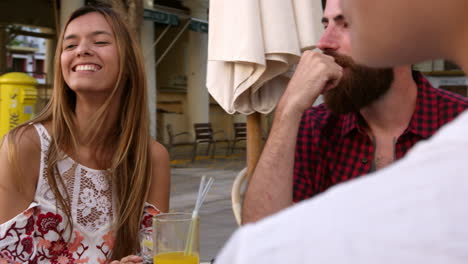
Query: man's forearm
{"x": 270, "y": 187}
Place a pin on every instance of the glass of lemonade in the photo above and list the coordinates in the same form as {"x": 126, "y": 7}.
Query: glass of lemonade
{"x": 171, "y": 233}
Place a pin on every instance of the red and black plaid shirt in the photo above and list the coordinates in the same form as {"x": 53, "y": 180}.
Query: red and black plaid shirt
{"x": 334, "y": 148}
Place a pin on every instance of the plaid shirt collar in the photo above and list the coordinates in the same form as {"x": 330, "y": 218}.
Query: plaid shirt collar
{"x": 426, "y": 109}
{"x": 350, "y": 123}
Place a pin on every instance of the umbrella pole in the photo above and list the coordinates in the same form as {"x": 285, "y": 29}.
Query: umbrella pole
{"x": 254, "y": 142}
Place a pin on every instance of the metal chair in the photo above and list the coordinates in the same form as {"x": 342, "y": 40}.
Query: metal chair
{"x": 240, "y": 134}
{"x": 204, "y": 134}
{"x": 173, "y": 142}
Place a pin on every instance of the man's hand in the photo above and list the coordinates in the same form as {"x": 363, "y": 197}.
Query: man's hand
{"x": 315, "y": 74}
{"x": 129, "y": 259}
{"x": 271, "y": 187}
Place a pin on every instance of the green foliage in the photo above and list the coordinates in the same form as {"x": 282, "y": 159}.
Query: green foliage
{"x": 11, "y": 37}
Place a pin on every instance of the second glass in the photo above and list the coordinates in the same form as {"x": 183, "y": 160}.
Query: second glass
{"x": 175, "y": 239}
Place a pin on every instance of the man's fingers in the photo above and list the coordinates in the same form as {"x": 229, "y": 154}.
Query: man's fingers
{"x": 328, "y": 57}
{"x": 334, "y": 78}
{"x": 310, "y": 56}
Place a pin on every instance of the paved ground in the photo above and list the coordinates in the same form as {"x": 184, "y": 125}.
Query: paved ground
{"x": 217, "y": 219}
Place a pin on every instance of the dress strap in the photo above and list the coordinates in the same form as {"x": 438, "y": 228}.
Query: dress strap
{"x": 42, "y": 185}
{"x": 43, "y": 136}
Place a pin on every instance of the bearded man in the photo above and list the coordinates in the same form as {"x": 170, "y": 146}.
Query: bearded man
{"x": 371, "y": 117}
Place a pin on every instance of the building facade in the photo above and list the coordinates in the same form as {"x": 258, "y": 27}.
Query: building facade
{"x": 173, "y": 38}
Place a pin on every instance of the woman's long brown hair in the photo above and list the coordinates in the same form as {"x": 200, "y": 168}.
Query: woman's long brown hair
{"x": 129, "y": 140}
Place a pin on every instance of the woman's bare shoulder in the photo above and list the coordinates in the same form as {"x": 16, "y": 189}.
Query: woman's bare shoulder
{"x": 20, "y": 156}
{"x": 26, "y": 142}
{"x": 158, "y": 152}
{"x": 160, "y": 178}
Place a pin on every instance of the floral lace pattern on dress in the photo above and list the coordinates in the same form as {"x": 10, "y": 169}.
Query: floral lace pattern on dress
{"x": 90, "y": 191}
{"x": 35, "y": 236}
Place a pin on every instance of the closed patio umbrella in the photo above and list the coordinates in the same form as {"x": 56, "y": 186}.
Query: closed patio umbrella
{"x": 251, "y": 48}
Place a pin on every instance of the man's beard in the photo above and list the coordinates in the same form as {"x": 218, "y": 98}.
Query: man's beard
{"x": 359, "y": 88}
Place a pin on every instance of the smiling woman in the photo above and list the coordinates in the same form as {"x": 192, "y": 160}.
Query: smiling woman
{"x": 77, "y": 182}
{"x": 90, "y": 61}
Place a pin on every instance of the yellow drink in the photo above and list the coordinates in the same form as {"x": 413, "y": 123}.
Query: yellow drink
{"x": 175, "y": 258}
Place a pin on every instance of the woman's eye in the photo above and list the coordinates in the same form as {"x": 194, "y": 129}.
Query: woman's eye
{"x": 102, "y": 42}
{"x": 70, "y": 46}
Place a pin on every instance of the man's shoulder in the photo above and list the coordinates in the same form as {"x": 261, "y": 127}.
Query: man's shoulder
{"x": 445, "y": 99}
{"x": 449, "y": 104}
{"x": 451, "y": 98}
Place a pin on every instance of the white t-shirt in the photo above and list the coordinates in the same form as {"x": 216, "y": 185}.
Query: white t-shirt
{"x": 415, "y": 211}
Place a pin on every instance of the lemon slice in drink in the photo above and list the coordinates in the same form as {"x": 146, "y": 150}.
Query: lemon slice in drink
{"x": 147, "y": 244}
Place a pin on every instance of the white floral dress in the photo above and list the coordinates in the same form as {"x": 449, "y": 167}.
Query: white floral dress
{"x": 39, "y": 234}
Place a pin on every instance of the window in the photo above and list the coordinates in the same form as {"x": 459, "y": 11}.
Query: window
{"x": 19, "y": 65}
{"x": 39, "y": 69}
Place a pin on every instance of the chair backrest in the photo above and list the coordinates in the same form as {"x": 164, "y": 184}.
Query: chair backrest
{"x": 237, "y": 194}
{"x": 170, "y": 133}
{"x": 203, "y": 132}
{"x": 240, "y": 130}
